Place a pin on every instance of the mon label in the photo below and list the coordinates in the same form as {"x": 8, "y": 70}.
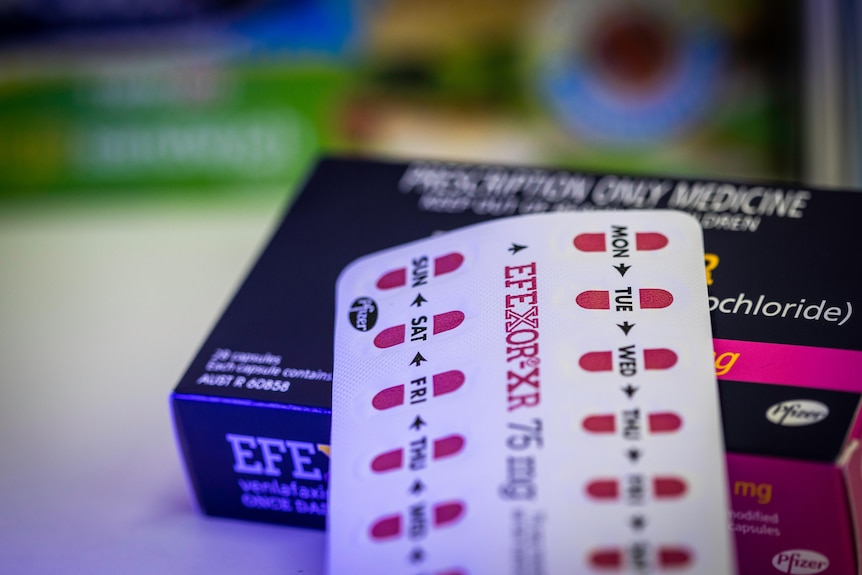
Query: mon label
{"x": 800, "y": 561}
{"x": 797, "y": 412}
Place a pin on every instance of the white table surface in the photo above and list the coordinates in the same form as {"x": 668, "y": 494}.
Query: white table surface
{"x": 101, "y": 309}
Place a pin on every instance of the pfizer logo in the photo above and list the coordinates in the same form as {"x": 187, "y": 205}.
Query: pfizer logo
{"x": 797, "y": 412}
{"x": 800, "y": 561}
{"x": 363, "y": 313}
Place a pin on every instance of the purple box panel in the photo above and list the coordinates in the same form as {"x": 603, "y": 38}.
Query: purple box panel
{"x": 789, "y": 516}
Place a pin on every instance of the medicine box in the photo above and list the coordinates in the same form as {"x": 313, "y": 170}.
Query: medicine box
{"x": 252, "y": 412}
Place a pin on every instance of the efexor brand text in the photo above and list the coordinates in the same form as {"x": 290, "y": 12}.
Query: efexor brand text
{"x": 263, "y": 456}
{"x": 522, "y": 337}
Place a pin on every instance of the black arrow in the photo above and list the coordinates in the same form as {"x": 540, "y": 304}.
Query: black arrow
{"x": 516, "y": 248}
{"x": 630, "y": 390}
{"x": 417, "y": 487}
{"x": 417, "y": 555}
{"x": 418, "y": 359}
{"x": 622, "y": 268}
{"x": 638, "y": 522}
{"x": 626, "y": 327}
{"x": 633, "y": 454}
{"x": 418, "y": 301}
{"x": 417, "y": 423}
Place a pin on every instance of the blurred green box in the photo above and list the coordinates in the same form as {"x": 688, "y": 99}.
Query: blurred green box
{"x": 196, "y": 128}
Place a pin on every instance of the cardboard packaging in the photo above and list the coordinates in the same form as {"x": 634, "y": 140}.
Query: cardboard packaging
{"x": 252, "y": 412}
{"x": 791, "y": 433}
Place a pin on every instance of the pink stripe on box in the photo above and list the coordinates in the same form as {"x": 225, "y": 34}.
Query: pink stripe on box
{"x": 799, "y": 365}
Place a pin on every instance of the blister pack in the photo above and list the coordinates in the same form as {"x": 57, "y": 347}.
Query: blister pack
{"x": 529, "y": 395}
